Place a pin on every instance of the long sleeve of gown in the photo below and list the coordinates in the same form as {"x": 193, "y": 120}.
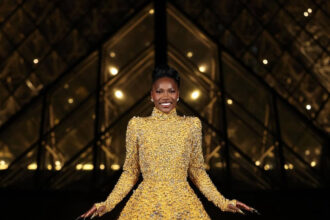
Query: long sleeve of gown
{"x": 197, "y": 171}
{"x": 131, "y": 170}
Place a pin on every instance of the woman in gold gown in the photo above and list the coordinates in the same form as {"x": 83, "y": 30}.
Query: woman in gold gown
{"x": 166, "y": 148}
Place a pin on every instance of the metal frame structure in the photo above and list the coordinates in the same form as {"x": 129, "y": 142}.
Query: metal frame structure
{"x": 161, "y": 50}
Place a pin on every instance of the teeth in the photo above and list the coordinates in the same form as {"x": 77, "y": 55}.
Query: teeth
{"x": 166, "y": 104}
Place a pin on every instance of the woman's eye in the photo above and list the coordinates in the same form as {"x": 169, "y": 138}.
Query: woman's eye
{"x": 157, "y": 91}
{"x": 173, "y": 91}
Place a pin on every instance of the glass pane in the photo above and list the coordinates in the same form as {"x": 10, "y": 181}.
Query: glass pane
{"x": 245, "y": 90}
{"x": 305, "y": 49}
{"x": 14, "y": 71}
{"x": 264, "y": 10}
{"x": 79, "y": 84}
{"x": 27, "y": 90}
{"x": 297, "y": 9}
{"x": 233, "y": 43}
{"x": 55, "y": 27}
{"x": 123, "y": 91}
{"x": 299, "y": 175}
{"x": 50, "y": 68}
{"x": 246, "y": 27}
{"x": 73, "y": 47}
{"x": 8, "y": 108}
{"x": 5, "y": 47}
{"x": 245, "y": 175}
{"x": 288, "y": 72}
{"x": 299, "y": 137}
{"x": 22, "y": 133}
{"x": 283, "y": 28}
{"x": 3, "y": 94}
{"x": 252, "y": 139}
{"x": 76, "y": 175}
{"x": 227, "y": 11}
{"x": 129, "y": 58}
{"x": 70, "y": 136}
{"x": 266, "y": 49}
{"x": 310, "y": 94}
{"x": 255, "y": 63}
{"x": 195, "y": 57}
{"x": 324, "y": 117}
{"x": 199, "y": 94}
{"x": 35, "y": 47}
{"x": 6, "y": 8}
{"x": 23, "y": 177}
{"x": 130, "y": 42}
{"x": 112, "y": 141}
{"x": 318, "y": 26}
{"x": 18, "y": 27}
{"x": 192, "y": 45}
{"x": 38, "y": 9}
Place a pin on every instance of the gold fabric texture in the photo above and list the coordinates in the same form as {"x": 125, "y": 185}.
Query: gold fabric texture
{"x": 166, "y": 148}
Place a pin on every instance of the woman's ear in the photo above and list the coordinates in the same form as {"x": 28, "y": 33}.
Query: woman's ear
{"x": 150, "y": 93}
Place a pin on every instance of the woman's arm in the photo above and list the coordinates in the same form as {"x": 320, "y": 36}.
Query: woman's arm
{"x": 198, "y": 174}
{"x": 131, "y": 171}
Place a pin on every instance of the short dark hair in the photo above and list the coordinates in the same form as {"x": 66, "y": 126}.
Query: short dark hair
{"x": 165, "y": 71}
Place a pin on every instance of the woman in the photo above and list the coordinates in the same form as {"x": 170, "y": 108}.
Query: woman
{"x": 165, "y": 148}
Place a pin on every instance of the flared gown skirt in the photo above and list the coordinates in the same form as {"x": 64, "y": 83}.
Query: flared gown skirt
{"x": 163, "y": 200}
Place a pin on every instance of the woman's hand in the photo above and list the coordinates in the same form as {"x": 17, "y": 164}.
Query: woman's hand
{"x": 92, "y": 212}
{"x": 241, "y": 206}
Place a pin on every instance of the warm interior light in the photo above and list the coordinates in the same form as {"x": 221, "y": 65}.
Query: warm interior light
{"x": 290, "y": 166}
{"x": 112, "y": 54}
{"x": 265, "y": 61}
{"x": 267, "y": 167}
{"x": 307, "y": 152}
{"x": 3, "y": 165}
{"x": 202, "y": 68}
{"x": 115, "y": 167}
{"x": 190, "y": 54}
{"x": 29, "y": 84}
{"x": 70, "y": 100}
{"x": 195, "y": 94}
{"x": 317, "y": 151}
{"x": 88, "y": 166}
{"x": 306, "y": 14}
{"x": 313, "y": 163}
{"x": 113, "y": 70}
{"x": 257, "y": 163}
{"x": 229, "y": 101}
{"x": 309, "y": 10}
{"x": 102, "y": 166}
{"x": 79, "y": 166}
{"x": 151, "y": 11}
{"x": 49, "y": 167}
{"x": 58, "y": 165}
{"x": 35, "y": 61}
{"x": 308, "y": 107}
{"x": 119, "y": 94}
{"x": 32, "y": 166}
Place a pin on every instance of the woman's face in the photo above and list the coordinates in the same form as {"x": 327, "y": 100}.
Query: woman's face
{"x": 165, "y": 92}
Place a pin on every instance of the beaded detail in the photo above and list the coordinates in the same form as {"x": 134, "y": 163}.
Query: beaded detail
{"x": 156, "y": 113}
{"x": 166, "y": 149}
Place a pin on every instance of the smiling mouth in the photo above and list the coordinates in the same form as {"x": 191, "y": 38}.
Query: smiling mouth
{"x": 165, "y": 104}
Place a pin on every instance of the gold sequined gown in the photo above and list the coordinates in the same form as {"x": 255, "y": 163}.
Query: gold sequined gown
{"x": 166, "y": 148}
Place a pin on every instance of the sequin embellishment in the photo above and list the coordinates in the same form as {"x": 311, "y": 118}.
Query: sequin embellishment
{"x": 166, "y": 149}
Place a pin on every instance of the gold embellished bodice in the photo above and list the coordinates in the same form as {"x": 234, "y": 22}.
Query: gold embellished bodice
{"x": 166, "y": 149}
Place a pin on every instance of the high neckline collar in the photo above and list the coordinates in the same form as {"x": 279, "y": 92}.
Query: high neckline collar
{"x": 156, "y": 113}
